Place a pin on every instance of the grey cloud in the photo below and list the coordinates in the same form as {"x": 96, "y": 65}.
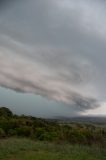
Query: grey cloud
{"x": 84, "y": 103}
{"x": 6, "y": 4}
{"x": 23, "y": 75}
{"x": 55, "y": 49}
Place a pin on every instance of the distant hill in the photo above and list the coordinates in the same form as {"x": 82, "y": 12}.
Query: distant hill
{"x": 95, "y": 119}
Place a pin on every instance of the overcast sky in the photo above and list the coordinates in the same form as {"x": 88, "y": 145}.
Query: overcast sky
{"x": 52, "y": 57}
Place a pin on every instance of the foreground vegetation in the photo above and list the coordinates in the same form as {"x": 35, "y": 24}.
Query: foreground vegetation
{"x": 53, "y": 131}
{"x": 25, "y": 149}
{"x": 29, "y": 138}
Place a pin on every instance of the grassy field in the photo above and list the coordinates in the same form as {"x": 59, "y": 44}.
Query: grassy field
{"x": 26, "y": 149}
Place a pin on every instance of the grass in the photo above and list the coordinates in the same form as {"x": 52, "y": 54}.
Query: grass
{"x": 26, "y": 149}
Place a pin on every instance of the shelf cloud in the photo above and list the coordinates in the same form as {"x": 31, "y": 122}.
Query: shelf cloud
{"x": 55, "y": 49}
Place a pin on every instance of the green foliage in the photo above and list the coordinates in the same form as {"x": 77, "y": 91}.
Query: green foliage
{"x": 24, "y": 131}
{"x": 12, "y": 132}
{"x": 42, "y": 134}
{"x": 46, "y": 130}
{"x": 5, "y": 112}
{"x": 25, "y": 149}
{"x": 2, "y": 133}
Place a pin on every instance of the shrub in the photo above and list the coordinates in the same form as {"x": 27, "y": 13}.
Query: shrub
{"x": 5, "y": 112}
{"x": 2, "y": 133}
{"x": 24, "y": 131}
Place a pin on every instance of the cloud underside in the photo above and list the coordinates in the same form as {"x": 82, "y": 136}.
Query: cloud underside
{"x": 53, "y": 48}
{"x": 60, "y": 84}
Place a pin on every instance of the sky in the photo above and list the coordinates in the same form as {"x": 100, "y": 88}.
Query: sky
{"x": 52, "y": 57}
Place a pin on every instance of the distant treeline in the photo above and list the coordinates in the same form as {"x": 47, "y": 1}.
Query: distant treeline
{"x": 48, "y": 130}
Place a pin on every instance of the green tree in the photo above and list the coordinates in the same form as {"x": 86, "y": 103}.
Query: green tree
{"x": 5, "y": 112}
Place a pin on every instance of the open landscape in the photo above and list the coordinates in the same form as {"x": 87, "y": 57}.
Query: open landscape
{"x": 52, "y": 79}
{"x": 30, "y": 138}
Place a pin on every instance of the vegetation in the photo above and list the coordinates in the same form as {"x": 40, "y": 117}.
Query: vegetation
{"x": 47, "y": 130}
{"x": 26, "y": 149}
{"x": 5, "y": 112}
{"x": 29, "y": 138}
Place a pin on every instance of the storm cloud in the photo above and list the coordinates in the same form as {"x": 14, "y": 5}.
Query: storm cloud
{"x": 56, "y": 49}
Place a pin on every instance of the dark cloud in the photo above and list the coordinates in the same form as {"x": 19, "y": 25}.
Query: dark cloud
{"x": 61, "y": 84}
{"x": 84, "y": 103}
{"x": 55, "y": 49}
{"x": 5, "y": 4}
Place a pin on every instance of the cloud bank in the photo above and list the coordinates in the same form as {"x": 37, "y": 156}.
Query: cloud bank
{"x": 55, "y": 49}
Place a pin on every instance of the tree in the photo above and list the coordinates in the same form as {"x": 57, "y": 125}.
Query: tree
{"x": 5, "y": 112}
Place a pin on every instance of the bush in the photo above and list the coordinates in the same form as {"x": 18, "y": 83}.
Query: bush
{"x": 2, "y": 133}
{"x": 5, "y": 112}
{"x": 24, "y": 131}
{"x": 43, "y": 135}
{"x": 12, "y": 132}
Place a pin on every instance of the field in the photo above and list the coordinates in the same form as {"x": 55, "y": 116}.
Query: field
{"x": 26, "y": 149}
{"x": 30, "y": 138}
